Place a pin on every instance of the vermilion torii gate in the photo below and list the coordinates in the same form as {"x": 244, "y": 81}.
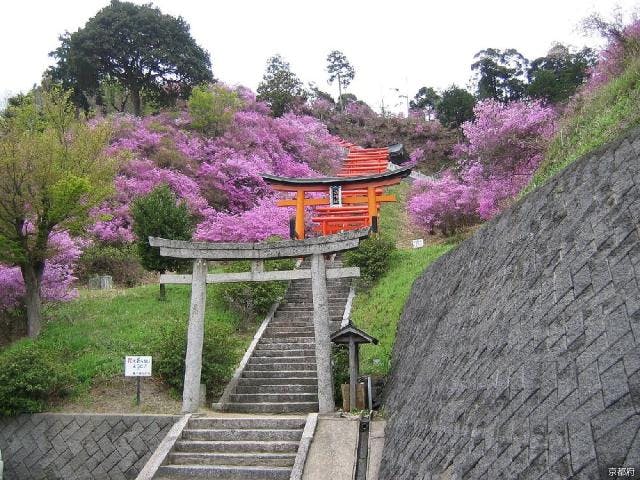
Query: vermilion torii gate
{"x": 347, "y": 191}
{"x": 201, "y": 252}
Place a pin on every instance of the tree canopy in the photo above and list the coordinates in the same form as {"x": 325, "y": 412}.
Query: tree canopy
{"x": 500, "y": 74}
{"x": 339, "y": 68}
{"x": 53, "y": 170}
{"x": 280, "y": 87}
{"x": 426, "y": 99}
{"x": 136, "y": 46}
{"x": 455, "y": 107}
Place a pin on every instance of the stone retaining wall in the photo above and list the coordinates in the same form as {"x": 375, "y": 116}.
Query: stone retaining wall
{"x": 518, "y": 353}
{"x": 78, "y": 446}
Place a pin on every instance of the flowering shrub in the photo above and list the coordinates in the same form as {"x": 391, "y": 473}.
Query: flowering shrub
{"x": 58, "y": 274}
{"x": 504, "y": 146}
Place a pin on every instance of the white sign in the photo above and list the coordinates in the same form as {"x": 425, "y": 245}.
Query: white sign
{"x": 419, "y": 243}
{"x": 137, "y": 366}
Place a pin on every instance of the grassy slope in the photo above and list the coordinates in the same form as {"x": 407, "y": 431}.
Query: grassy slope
{"x": 378, "y": 310}
{"x": 600, "y": 118}
{"x": 94, "y": 333}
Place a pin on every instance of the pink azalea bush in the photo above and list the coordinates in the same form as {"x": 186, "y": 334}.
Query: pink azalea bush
{"x": 504, "y": 146}
{"x": 58, "y": 274}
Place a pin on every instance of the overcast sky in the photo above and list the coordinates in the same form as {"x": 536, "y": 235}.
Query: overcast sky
{"x": 391, "y": 44}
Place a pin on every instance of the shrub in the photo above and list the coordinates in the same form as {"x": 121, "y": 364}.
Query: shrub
{"x": 119, "y": 261}
{"x": 340, "y": 368}
{"x": 30, "y": 378}
{"x": 219, "y": 354}
{"x": 212, "y": 108}
{"x": 373, "y": 256}
{"x": 253, "y": 299}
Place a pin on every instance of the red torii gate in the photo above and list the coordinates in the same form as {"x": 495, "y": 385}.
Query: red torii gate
{"x": 342, "y": 193}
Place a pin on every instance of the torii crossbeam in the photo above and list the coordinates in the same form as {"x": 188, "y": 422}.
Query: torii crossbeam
{"x": 200, "y": 252}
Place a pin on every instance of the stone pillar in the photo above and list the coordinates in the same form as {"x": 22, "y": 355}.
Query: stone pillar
{"x": 195, "y": 338}
{"x": 353, "y": 373}
{"x": 322, "y": 334}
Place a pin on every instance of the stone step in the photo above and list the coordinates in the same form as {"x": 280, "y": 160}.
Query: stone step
{"x": 279, "y": 373}
{"x": 252, "y": 422}
{"x": 282, "y": 331}
{"x": 277, "y": 389}
{"x": 225, "y": 472}
{"x": 260, "y": 434}
{"x": 256, "y": 359}
{"x": 235, "y": 446}
{"x": 262, "y": 381}
{"x": 307, "y": 346}
{"x": 277, "y": 407}
{"x": 247, "y": 458}
{"x": 273, "y": 398}
{"x": 305, "y": 339}
{"x": 273, "y": 353}
{"x": 278, "y": 367}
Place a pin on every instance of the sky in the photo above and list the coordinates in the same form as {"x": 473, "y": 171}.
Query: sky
{"x": 395, "y": 46}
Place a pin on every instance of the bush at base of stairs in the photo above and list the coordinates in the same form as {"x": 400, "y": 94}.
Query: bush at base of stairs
{"x": 373, "y": 256}
{"x": 30, "y": 378}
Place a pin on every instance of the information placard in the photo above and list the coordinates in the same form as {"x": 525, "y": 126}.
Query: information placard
{"x": 418, "y": 243}
{"x": 137, "y": 366}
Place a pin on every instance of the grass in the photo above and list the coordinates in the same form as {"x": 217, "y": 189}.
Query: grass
{"x": 601, "y": 117}
{"x": 378, "y": 310}
{"x": 94, "y": 333}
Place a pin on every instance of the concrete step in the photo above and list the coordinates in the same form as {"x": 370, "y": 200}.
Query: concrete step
{"x": 261, "y": 381}
{"x": 247, "y": 458}
{"x": 252, "y": 422}
{"x": 256, "y": 359}
{"x": 279, "y": 367}
{"x": 277, "y": 407}
{"x": 235, "y": 446}
{"x": 272, "y": 398}
{"x": 282, "y": 331}
{"x": 279, "y": 374}
{"x": 260, "y": 434}
{"x": 277, "y": 389}
{"x": 301, "y": 339}
{"x": 225, "y": 472}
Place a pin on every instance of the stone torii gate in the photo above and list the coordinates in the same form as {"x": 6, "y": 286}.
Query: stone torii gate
{"x": 201, "y": 252}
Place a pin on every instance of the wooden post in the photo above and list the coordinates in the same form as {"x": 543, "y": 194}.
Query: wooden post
{"x": 195, "y": 338}
{"x": 321, "y": 329}
{"x": 353, "y": 373}
{"x": 300, "y": 213}
{"x": 371, "y": 201}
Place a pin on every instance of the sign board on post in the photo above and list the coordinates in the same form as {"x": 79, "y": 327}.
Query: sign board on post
{"x": 419, "y": 243}
{"x": 335, "y": 196}
{"x": 137, "y": 366}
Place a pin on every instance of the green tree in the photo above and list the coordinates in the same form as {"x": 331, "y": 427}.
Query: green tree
{"x": 556, "y": 76}
{"x": 500, "y": 74}
{"x": 212, "y": 108}
{"x": 426, "y": 99}
{"x": 339, "y": 68}
{"x": 135, "y": 46}
{"x": 53, "y": 170}
{"x": 455, "y": 107}
{"x": 158, "y": 214}
{"x": 280, "y": 87}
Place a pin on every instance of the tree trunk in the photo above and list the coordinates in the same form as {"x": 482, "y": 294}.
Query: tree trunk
{"x": 135, "y": 97}
{"x": 340, "y": 94}
{"x": 32, "y": 276}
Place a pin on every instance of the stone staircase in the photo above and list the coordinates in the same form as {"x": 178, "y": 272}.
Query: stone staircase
{"x": 279, "y": 378}
{"x": 247, "y": 448}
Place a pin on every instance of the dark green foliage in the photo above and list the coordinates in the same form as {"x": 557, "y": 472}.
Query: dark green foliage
{"x": 30, "y": 379}
{"x": 159, "y": 215}
{"x": 556, "y": 76}
{"x": 425, "y": 99}
{"x": 280, "y": 87}
{"x": 119, "y": 261}
{"x": 500, "y": 74}
{"x": 218, "y": 355}
{"x": 373, "y": 256}
{"x": 253, "y": 299}
{"x": 455, "y": 107}
{"x": 136, "y": 46}
{"x": 340, "y": 370}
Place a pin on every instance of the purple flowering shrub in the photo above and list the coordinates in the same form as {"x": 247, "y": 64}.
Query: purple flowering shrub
{"x": 58, "y": 276}
{"x": 504, "y": 146}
